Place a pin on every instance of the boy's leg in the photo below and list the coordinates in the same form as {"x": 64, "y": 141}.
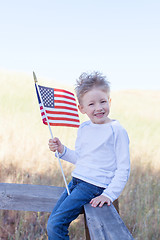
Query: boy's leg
{"x": 59, "y": 202}
{"x": 70, "y": 208}
{"x": 63, "y": 196}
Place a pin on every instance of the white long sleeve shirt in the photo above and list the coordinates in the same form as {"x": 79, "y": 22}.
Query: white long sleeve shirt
{"x": 101, "y": 156}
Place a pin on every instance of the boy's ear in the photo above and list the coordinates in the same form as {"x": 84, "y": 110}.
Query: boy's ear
{"x": 109, "y": 101}
{"x": 81, "y": 109}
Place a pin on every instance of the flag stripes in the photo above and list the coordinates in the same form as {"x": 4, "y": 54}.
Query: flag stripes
{"x": 64, "y": 113}
{"x": 64, "y": 92}
{"x": 65, "y": 102}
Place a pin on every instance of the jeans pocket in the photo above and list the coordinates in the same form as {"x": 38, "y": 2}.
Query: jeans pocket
{"x": 99, "y": 191}
{"x": 93, "y": 190}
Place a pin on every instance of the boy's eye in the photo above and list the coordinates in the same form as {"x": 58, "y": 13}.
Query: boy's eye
{"x": 90, "y": 104}
{"x": 103, "y": 101}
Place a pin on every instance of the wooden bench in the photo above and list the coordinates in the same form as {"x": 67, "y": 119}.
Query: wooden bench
{"x": 101, "y": 223}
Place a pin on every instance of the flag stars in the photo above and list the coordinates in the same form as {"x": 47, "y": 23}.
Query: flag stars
{"x": 47, "y": 95}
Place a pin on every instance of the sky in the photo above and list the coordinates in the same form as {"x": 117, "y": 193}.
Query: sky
{"x": 60, "y": 39}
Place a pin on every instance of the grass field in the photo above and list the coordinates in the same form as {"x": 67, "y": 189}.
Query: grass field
{"x": 25, "y": 158}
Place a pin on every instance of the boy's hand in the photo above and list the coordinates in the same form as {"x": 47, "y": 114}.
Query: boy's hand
{"x": 55, "y": 144}
{"x": 100, "y": 200}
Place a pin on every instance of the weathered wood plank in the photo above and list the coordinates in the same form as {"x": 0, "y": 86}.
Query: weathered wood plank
{"x": 27, "y": 197}
{"x": 86, "y": 228}
{"x": 105, "y": 224}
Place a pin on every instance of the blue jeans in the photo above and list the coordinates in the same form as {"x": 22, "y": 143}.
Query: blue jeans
{"x": 69, "y": 207}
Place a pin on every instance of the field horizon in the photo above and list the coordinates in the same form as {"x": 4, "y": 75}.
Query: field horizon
{"x": 25, "y": 157}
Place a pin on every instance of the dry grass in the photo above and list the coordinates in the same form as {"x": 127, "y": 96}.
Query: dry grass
{"x": 25, "y": 158}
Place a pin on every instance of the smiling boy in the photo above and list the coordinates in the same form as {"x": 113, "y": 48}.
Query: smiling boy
{"x": 101, "y": 157}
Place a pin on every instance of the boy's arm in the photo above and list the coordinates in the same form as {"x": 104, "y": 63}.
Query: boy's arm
{"x": 121, "y": 176}
{"x": 63, "y": 152}
{"x": 118, "y": 182}
{"x": 68, "y": 155}
{"x": 71, "y": 155}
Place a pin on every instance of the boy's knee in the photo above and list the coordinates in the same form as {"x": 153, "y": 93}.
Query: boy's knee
{"x": 54, "y": 228}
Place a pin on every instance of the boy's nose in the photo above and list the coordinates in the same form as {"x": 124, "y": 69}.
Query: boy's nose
{"x": 98, "y": 107}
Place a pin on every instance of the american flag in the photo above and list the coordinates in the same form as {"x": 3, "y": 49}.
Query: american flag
{"x": 60, "y": 107}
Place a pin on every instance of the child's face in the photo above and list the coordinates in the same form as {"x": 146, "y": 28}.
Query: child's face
{"x": 96, "y": 104}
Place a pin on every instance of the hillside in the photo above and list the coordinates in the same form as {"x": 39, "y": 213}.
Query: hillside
{"x": 25, "y": 158}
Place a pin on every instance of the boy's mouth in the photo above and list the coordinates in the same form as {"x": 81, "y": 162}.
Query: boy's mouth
{"x": 99, "y": 115}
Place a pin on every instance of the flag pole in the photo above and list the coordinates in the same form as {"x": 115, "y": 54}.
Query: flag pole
{"x": 36, "y": 81}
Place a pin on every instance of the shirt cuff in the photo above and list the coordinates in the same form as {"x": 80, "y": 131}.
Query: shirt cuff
{"x": 104, "y": 194}
{"x": 61, "y": 154}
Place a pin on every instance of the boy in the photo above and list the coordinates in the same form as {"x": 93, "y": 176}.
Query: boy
{"x": 101, "y": 157}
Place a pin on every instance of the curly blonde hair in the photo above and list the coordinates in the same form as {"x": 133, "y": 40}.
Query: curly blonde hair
{"x": 87, "y": 82}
